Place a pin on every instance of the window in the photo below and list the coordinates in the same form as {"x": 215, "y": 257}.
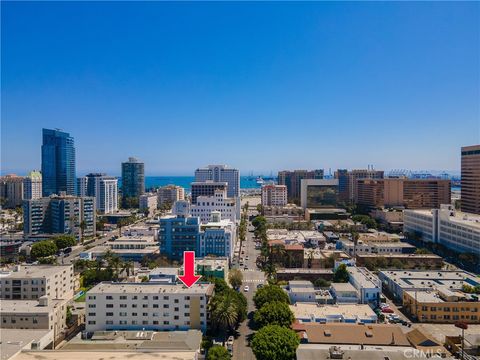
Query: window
{"x": 166, "y": 323}
{"x": 176, "y": 317}
{"x": 92, "y": 314}
{"x": 122, "y": 314}
{"x": 109, "y": 322}
{"x": 145, "y": 306}
{"x": 134, "y": 314}
{"x": 109, "y": 297}
{"x": 123, "y": 297}
{"x": 92, "y": 306}
{"x": 109, "y": 306}
{"x": 123, "y": 305}
{"x": 92, "y": 297}
{"x": 155, "y": 305}
{"x": 92, "y": 322}
{"x": 145, "y": 314}
{"x": 155, "y": 298}
{"x": 109, "y": 314}
{"x": 176, "y": 301}
{"x": 134, "y": 305}
{"x": 165, "y": 306}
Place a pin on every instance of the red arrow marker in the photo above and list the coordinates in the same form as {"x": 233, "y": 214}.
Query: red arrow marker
{"x": 189, "y": 278}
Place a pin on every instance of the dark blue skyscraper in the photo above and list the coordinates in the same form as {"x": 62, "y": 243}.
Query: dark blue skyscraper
{"x": 58, "y": 163}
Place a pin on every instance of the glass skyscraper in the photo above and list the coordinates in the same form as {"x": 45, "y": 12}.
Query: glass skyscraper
{"x": 58, "y": 163}
{"x": 133, "y": 179}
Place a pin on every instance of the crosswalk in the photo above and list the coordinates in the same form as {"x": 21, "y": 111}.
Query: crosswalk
{"x": 248, "y": 270}
{"x": 257, "y": 281}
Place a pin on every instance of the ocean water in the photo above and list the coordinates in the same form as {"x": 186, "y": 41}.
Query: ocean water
{"x": 184, "y": 181}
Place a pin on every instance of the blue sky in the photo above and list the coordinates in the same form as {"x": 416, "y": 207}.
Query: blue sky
{"x": 260, "y": 86}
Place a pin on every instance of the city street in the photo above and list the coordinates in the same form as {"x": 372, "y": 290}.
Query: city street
{"x": 252, "y": 277}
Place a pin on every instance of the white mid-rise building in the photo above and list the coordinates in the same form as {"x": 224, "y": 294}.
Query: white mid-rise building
{"x": 104, "y": 188}
{"x": 301, "y": 291}
{"x": 274, "y": 195}
{"x": 221, "y": 173}
{"x": 229, "y": 208}
{"x": 455, "y": 230}
{"x": 147, "y": 306}
{"x": 32, "y": 186}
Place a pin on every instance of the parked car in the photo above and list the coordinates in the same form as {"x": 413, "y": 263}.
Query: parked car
{"x": 229, "y": 344}
{"x": 246, "y": 288}
{"x": 387, "y": 310}
{"x": 259, "y": 286}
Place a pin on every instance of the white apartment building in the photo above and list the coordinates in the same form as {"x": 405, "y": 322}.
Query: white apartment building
{"x": 221, "y": 173}
{"x": 301, "y": 291}
{"x": 27, "y": 282}
{"x": 455, "y": 230}
{"x": 217, "y": 237}
{"x": 229, "y": 207}
{"x": 169, "y": 194}
{"x": 103, "y": 188}
{"x": 367, "y": 284}
{"x": 147, "y": 306}
{"x": 32, "y": 186}
{"x": 148, "y": 201}
{"x": 274, "y": 195}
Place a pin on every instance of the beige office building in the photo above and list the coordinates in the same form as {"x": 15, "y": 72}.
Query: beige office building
{"x": 470, "y": 193}
{"x": 169, "y": 194}
{"x": 401, "y": 192}
{"x": 30, "y": 282}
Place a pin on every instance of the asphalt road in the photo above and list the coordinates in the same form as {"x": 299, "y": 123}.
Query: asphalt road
{"x": 252, "y": 277}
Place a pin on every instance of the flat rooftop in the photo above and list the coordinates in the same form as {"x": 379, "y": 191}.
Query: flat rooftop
{"x": 29, "y": 306}
{"x": 102, "y": 355}
{"x": 343, "y": 287}
{"x": 345, "y": 333}
{"x": 13, "y": 340}
{"x": 307, "y": 310}
{"x": 34, "y": 271}
{"x": 364, "y": 277}
{"x": 150, "y": 288}
{"x": 322, "y": 352}
{"x": 413, "y": 279}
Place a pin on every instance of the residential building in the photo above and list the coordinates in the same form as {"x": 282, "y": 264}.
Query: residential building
{"x": 148, "y": 202}
{"x": 399, "y": 281}
{"x": 16, "y": 342}
{"x": 388, "y": 335}
{"x": 123, "y": 345}
{"x": 216, "y": 267}
{"x": 301, "y": 291}
{"x": 455, "y": 230}
{"x": 319, "y": 193}
{"x": 10, "y": 248}
{"x": 58, "y": 163}
{"x": 274, "y": 195}
{"x": 217, "y": 236}
{"x": 30, "y": 282}
{"x": 147, "y": 306}
{"x": 442, "y": 305}
{"x": 220, "y": 173}
{"x": 345, "y": 313}
{"x": 11, "y": 190}
{"x": 367, "y": 284}
{"x": 133, "y": 179}
{"x": 306, "y": 238}
{"x": 62, "y": 214}
{"x": 293, "y": 179}
{"x": 470, "y": 193}
{"x": 103, "y": 188}
{"x": 164, "y": 275}
{"x": 403, "y": 192}
{"x": 407, "y": 261}
{"x": 179, "y": 233}
{"x": 43, "y": 313}
{"x": 304, "y": 274}
{"x": 32, "y": 185}
{"x": 322, "y": 259}
{"x": 327, "y": 352}
{"x": 347, "y": 181}
{"x": 344, "y": 293}
{"x": 229, "y": 208}
{"x": 168, "y": 194}
{"x": 379, "y": 248}
{"x": 206, "y": 188}
{"x": 128, "y": 248}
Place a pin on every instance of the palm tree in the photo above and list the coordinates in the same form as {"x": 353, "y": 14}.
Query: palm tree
{"x": 115, "y": 265}
{"x": 83, "y": 226}
{"x": 225, "y": 312}
{"x": 270, "y": 271}
{"x": 127, "y": 266}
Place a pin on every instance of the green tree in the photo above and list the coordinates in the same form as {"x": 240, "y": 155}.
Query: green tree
{"x": 273, "y": 342}
{"x": 259, "y": 221}
{"x": 422, "y": 251}
{"x": 268, "y": 294}
{"x": 341, "y": 274}
{"x": 397, "y": 264}
{"x": 83, "y": 226}
{"x": 382, "y": 262}
{"x": 224, "y": 311}
{"x": 43, "y": 248}
{"x": 321, "y": 282}
{"x": 64, "y": 241}
{"x": 235, "y": 278}
{"x": 274, "y": 313}
{"x": 218, "y": 352}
